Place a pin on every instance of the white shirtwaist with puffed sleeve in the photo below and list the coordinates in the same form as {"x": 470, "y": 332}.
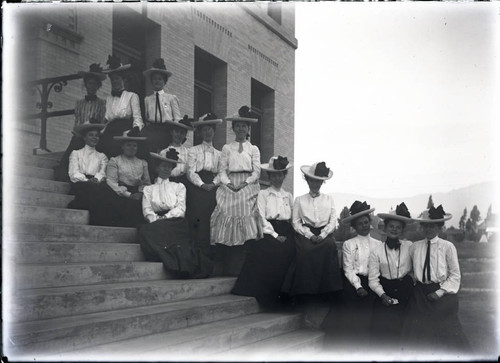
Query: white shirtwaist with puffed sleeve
{"x": 164, "y": 195}
{"x": 315, "y": 212}
{"x": 356, "y": 256}
{"x": 87, "y": 161}
{"x": 274, "y": 204}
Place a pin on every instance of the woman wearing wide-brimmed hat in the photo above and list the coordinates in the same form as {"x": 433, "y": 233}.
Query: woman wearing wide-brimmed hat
{"x": 235, "y": 219}
{"x": 268, "y": 259}
{"x": 90, "y": 109}
{"x": 316, "y": 273}
{"x": 166, "y": 237}
{"x": 178, "y": 132}
{"x": 119, "y": 203}
{"x": 159, "y": 107}
{"x": 87, "y": 167}
{"x": 390, "y": 279}
{"x": 432, "y": 322}
{"x": 123, "y": 110}
{"x": 202, "y": 173}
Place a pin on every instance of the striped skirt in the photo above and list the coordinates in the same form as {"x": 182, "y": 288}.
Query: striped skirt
{"x": 235, "y": 218}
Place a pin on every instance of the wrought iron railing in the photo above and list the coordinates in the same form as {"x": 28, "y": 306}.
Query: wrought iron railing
{"x": 44, "y": 87}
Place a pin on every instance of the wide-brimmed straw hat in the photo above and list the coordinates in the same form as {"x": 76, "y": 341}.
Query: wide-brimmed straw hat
{"x": 400, "y": 214}
{"x": 207, "y": 119}
{"x": 169, "y": 156}
{"x": 133, "y": 137}
{"x": 158, "y": 66}
{"x": 185, "y": 123}
{"x": 433, "y": 215}
{"x": 358, "y": 209}
{"x": 276, "y": 163}
{"x": 95, "y": 70}
{"x": 244, "y": 114}
{"x": 317, "y": 171}
{"x": 115, "y": 65}
{"x": 80, "y": 130}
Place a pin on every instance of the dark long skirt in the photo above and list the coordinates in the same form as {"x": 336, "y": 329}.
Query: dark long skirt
{"x": 85, "y": 194}
{"x": 158, "y": 136}
{"x": 112, "y": 148}
{"x": 387, "y": 321}
{"x": 110, "y": 209}
{"x": 433, "y": 325}
{"x": 316, "y": 269}
{"x": 61, "y": 170}
{"x": 168, "y": 241}
{"x": 199, "y": 207}
{"x": 266, "y": 264}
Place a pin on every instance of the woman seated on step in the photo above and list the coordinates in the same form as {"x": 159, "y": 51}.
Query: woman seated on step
{"x": 268, "y": 259}
{"x": 87, "y": 168}
{"x": 166, "y": 237}
{"x": 90, "y": 109}
{"x": 390, "y": 278}
{"x": 119, "y": 203}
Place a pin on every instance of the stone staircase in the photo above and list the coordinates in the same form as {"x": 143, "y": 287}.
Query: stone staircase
{"x": 81, "y": 292}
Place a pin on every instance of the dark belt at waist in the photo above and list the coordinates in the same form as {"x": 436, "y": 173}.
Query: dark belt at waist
{"x": 88, "y": 176}
{"x": 130, "y": 188}
{"x": 315, "y": 230}
{"x": 428, "y": 288}
{"x": 240, "y": 172}
{"x": 163, "y": 212}
{"x": 207, "y": 176}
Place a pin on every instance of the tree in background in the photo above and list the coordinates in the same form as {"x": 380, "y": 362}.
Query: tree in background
{"x": 463, "y": 219}
{"x": 342, "y": 232}
{"x": 430, "y": 203}
{"x": 489, "y": 214}
{"x": 475, "y": 217}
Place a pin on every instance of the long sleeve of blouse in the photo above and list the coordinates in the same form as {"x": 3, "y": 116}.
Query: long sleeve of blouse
{"x": 87, "y": 111}
{"x": 164, "y": 195}
{"x": 87, "y": 161}
{"x": 273, "y": 204}
{"x": 133, "y": 172}
{"x": 169, "y": 107}
{"x": 445, "y": 269}
{"x": 232, "y": 161}
{"x": 315, "y": 212}
{"x": 203, "y": 157}
{"x": 355, "y": 257}
{"x": 125, "y": 106}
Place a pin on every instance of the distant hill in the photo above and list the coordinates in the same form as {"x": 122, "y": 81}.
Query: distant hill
{"x": 454, "y": 201}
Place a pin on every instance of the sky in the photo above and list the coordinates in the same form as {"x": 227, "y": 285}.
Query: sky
{"x": 397, "y": 98}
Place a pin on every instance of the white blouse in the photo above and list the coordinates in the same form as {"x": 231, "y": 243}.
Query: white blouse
{"x": 445, "y": 269}
{"x": 315, "y": 212}
{"x": 274, "y": 204}
{"x": 125, "y": 106}
{"x": 233, "y": 161}
{"x": 129, "y": 171}
{"x": 356, "y": 256}
{"x": 180, "y": 169}
{"x": 86, "y": 161}
{"x": 395, "y": 265}
{"x": 164, "y": 195}
{"x": 202, "y": 157}
{"x": 169, "y": 107}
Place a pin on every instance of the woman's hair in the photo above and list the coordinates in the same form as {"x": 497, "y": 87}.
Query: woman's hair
{"x": 163, "y": 75}
{"x": 307, "y": 178}
{"x": 84, "y": 134}
{"x": 353, "y": 222}
{"x": 199, "y": 127}
{"x": 285, "y": 172}
{"x": 387, "y": 220}
{"x": 87, "y": 77}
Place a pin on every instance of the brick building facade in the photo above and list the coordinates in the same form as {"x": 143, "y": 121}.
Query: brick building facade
{"x": 222, "y": 56}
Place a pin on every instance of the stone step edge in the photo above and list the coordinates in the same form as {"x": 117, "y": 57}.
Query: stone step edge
{"x": 18, "y": 222}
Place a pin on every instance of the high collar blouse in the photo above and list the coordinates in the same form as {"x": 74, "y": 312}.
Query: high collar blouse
{"x": 94, "y": 110}
{"x": 86, "y": 161}
{"x": 273, "y": 204}
{"x": 356, "y": 256}
{"x": 445, "y": 269}
{"x": 232, "y": 161}
{"x": 315, "y": 212}
{"x": 202, "y": 157}
{"x": 180, "y": 169}
{"x": 164, "y": 195}
{"x": 125, "y": 106}
{"x": 129, "y": 171}
{"x": 388, "y": 263}
{"x": 169, "y": 107}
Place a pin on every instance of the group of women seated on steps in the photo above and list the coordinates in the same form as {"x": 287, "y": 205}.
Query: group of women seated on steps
{"x": 186, "y": 201}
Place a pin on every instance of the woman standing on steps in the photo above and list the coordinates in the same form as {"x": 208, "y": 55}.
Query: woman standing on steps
{"x": 166, "y": 237}
{"x": 90, "y": 109}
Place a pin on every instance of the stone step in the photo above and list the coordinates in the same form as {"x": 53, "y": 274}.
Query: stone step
{"x": 39, "y": 339}
{"x": 286, "y": 347}
{"x": 36, "y": 304}
{"x": 35, "y": 214}
{"x": 64, "y": 252}
{"x": 38, "y": 161}
{"x": 196, "y": 342}
{"x": 48, "y": 275}
{"x": 43, "y": 185}
{"x": 477, "y": 250}
{"x": 34, "y": 172}
{"x": 42, "y": 199}
{"x": 479, "y": 280}
{"x": 473, "y": 264}
{"x": 41, "y": 232}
